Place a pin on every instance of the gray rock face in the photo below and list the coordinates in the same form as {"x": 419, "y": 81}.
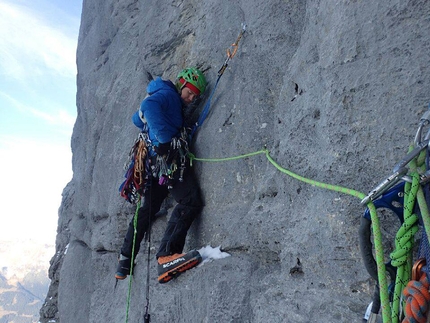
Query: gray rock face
{"x": 333, "y": 89}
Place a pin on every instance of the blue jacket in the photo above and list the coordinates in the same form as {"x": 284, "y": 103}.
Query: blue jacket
{"x": 162, "y": 111}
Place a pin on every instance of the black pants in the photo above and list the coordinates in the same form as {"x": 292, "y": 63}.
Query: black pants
{"x": 186, "y": 194}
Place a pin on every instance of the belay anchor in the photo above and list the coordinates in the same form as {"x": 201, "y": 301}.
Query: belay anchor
{"x": 231, "y": 52}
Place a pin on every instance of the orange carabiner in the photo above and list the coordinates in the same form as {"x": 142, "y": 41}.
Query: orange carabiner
{"x": 231, "y": 54}
{"x": 417, "y": 269}
{"x": 235, "y": 45}
{"x": 232, "y": 50}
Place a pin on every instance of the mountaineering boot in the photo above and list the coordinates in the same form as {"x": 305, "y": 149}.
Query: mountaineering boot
{"x": 123, "y": 269}
{"x": 172, "y": 266}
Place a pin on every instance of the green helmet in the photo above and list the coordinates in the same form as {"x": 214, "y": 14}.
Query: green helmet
{"x": 193, "y": 76}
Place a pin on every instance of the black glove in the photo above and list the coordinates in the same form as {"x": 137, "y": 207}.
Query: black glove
{"x": 162, "y": 149}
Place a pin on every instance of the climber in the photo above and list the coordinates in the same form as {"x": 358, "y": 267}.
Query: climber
{"x": 161, "y": 118}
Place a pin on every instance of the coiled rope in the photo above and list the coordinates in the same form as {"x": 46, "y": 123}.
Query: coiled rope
{"x": 417, "y": 299}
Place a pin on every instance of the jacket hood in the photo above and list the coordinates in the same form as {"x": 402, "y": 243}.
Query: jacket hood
{"x": 160, "y": 84}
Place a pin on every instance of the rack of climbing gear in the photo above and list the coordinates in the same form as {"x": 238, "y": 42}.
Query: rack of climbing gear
{"x": 164, "y": 167}
{"x": 406, "y": 193}
{"x": 136, "y": 170}
{"x": 231, "y": 52}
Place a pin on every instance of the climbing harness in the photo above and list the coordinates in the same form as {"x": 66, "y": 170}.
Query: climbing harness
{"x": 231, "y": 52}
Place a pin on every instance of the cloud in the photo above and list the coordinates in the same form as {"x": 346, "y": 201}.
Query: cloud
{"x": 29, "y": 45}
{"x": 33, "y": 175}
{"x": 37, "y": 111}
{"x": 17, "y": 104}
{"x": 57, "y": 116}
{"x": 61, "y": 117}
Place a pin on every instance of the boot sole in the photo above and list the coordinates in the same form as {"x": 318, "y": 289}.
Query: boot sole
{"x": 121, "y": 277}
{"x": 175, "y": 272}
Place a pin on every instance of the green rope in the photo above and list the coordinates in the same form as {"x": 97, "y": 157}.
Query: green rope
{"x": 401, "y": 257}
{"x": 132, "y": 258}
{"x": 380, "y": 264}
{"x": 377, "y": 236}
{"x": 425, "y": 213}
{"x": 192, "y": 157}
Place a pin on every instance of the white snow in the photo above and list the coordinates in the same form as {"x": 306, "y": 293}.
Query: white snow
{"x": 209, "y": 254}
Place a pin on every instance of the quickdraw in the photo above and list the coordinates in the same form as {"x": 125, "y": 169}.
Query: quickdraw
{"x": 232, "y": 53}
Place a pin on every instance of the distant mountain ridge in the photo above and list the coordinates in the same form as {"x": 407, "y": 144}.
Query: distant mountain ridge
{"x": 23, "y": 280}
{"x": 21, "y": 301}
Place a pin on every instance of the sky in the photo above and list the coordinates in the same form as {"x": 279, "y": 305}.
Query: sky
{"x": 38, "y": 40}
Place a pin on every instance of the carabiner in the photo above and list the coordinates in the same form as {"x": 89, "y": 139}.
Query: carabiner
{"x": 417, "y": 269}
{"x": 230, "y": 54}
{"x": 235, "y": 45}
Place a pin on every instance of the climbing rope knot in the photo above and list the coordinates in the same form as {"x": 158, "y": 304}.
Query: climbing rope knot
{"x": 404, "y": 241}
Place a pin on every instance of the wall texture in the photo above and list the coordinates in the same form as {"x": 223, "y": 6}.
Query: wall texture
{"x": 334, "y": 90}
